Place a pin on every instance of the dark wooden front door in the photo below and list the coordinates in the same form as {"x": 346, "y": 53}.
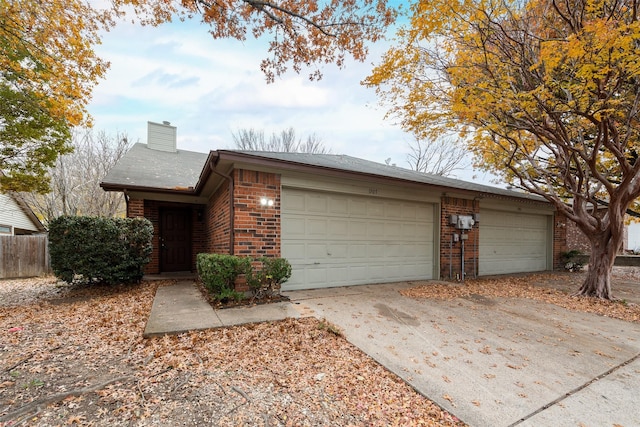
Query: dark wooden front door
{"x": 175, "y": 239}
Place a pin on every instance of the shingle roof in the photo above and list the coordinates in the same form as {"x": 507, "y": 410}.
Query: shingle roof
{"x": 144, "y": 167}
{"x": 355, "y": 164}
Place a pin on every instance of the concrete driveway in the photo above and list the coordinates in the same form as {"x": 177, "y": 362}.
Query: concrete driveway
{"x": 494, "y": 361}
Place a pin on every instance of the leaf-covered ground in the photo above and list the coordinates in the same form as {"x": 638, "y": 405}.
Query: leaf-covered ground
{"x": 553, "y": 288}
{"x": 74, "y": 356}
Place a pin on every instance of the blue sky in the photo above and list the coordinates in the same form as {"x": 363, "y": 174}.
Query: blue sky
{"x": 211, "y": 88}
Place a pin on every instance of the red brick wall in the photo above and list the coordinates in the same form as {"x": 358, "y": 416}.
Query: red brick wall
{"x": 560, "y": 231}
{"x": 151, "y": 212}
{"x": 451, "y": 255}
{"x": 576, "y": 239}
{"x": 257, "y": 228}
{"x": 198, "y": 233}
{"x": 135, "y": 208}
{"x": 218, "y": 222}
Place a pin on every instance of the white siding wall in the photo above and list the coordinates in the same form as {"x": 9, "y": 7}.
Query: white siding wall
{"x": 161, "y": 137}
{"x": 11, "y": 214}
{"x": 634, "y": 236}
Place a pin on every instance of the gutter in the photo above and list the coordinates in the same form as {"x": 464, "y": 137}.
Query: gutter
{"x": 189, "y": 191}
{"x": 212, "y": 166}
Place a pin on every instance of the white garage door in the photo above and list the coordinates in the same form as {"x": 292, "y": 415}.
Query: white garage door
{"x": 337, "y": 240}
{"x": 512, "y": 242}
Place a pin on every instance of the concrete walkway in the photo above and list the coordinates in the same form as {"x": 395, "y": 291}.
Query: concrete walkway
{"x": 181, "y": 308}
{"x": 489, "y": 361}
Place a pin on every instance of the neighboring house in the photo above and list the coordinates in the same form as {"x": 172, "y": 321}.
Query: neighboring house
{"x": 16, "y": 217}
{"x": 633, "y": 243}
{"x": 339, "y": 220}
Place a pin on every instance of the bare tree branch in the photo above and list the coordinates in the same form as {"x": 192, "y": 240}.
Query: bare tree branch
{"x": 440, "y": 157}
{"x": 286, "y": 141}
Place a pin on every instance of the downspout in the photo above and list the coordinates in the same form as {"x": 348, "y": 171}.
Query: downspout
{"x": 232, "y": 227}
{"x": 126, "y": 203}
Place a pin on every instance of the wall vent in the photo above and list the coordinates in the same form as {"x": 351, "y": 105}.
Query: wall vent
{"x": 162, "y": 136}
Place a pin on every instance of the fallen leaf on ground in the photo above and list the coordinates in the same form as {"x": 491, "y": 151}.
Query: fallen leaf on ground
{"x": 81, "y": 358}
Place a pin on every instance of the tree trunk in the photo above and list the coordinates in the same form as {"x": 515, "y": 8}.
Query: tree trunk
{"x": 598, "y": 281}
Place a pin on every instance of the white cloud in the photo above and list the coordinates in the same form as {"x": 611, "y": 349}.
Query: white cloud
{"x": 210, "y": 88}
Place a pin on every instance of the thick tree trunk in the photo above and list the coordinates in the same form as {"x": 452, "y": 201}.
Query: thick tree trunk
{"x": 598, "y": 281}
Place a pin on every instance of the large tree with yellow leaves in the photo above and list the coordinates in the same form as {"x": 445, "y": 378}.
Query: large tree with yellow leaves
{"x": 48, "y": 67}
{"x": 547, "y": 93}
{"x": 47, "y": 71}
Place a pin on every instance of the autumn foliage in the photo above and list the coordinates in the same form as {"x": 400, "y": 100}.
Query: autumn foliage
{"x": 48, "y": 69}
{"x": 48, "y": 66}
{"x": 302, "y": 33}
{"x": 546, "y": 93}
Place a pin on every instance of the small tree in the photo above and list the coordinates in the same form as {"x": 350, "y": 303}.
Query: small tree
{"x": 75, "y": 179}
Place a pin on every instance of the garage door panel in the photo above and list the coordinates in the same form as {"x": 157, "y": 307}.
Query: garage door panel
{"x": 392, "y": 229}
{"x": 358, "y": 273}
{"x": 378, "y": 272}
{"x": 338, "y": 206}
{"x": 375, "y": 209}
{"x": 294, "y": 202}
{"x": 316, "y": 227}
{"x": 357, "y": 252}
{"x": 295, "y": 252}
{"x": 337, "y": 228}
{"x": 315, "y": 275}
{"x": 295, "y": 227}
{"x": 317, "y": 250}
{"x": 356, "y": 240}
{"x": 376, "y": 250}
{"x": 335, "y": 273}
{"x": 512, "y": 242}
{"x": 316, "y": 204}
{"x": 358, "y": 207}
{"x": 376, "y": 229}
{"x": 357, "y": 229}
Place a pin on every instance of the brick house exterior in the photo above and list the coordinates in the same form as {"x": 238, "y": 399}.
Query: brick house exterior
{"x": 354, "y": 212}
{"x": 575, "y": 239}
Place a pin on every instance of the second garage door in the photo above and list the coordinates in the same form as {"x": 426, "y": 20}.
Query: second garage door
{"x": 335, "y": 239}
{"x": 513, "y": 242}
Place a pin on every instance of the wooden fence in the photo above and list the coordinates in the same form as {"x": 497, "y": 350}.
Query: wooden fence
{"x": 24, "y": 256}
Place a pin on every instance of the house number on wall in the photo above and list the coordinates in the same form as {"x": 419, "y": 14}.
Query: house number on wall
{"x": 373, "y": 191}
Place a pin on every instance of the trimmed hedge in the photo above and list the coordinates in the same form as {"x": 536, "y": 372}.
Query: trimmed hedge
{"x": 99, "y": 250}
{"x": 218, "y": 273}
{"x": 267, "y": 280}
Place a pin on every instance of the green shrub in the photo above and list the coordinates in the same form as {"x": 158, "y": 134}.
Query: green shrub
{"x": 263, "y": 275}
{"x": 99, "y": 250}
{"x": 266, "y": 281}
{"x": 572, "y": 260}
{"x": 218, "y": 272}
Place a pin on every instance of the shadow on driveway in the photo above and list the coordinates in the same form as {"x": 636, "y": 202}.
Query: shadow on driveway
{"x": 494, "y": 361}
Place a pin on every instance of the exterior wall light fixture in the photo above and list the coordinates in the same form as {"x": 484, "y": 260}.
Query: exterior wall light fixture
{"x": 266, "y": 202}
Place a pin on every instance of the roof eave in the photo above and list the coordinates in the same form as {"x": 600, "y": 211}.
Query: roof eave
{"x": 106, "y": 186}
{"x": 233, "y": 156}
